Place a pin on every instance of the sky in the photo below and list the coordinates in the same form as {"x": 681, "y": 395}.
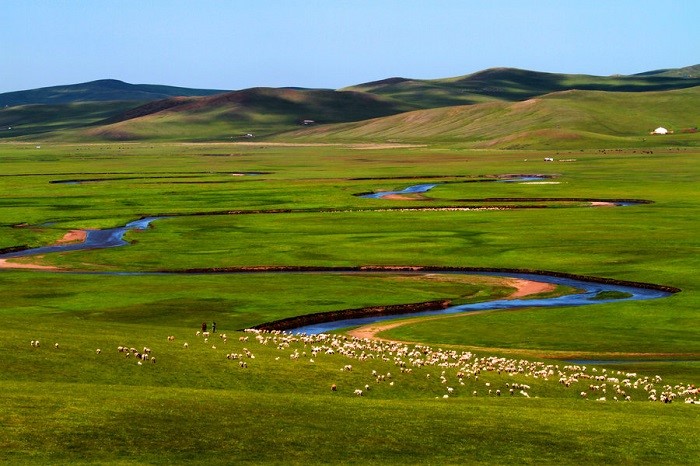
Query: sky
{"x": 237, "y": 44}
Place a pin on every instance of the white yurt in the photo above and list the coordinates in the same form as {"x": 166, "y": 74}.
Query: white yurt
{"x": 660, "y": 130}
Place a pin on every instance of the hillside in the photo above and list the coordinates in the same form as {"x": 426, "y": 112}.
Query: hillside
{"x": 35, "y": 119}
{"x": 257, "y": 111}
{"x": 98, "y": 91}
{"x": 558, "y": 120}
{"x": 114, "y": 110}
{"x": 688, "y": 72}
{"x": 510, "y": 84}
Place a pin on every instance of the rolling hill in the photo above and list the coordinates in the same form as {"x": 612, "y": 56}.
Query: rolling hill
{"x": 511, "y": 84}
{"x": 104, "y": 90}
{"x": 257, "y": 111}
{"x": 559, "y": 120}
{"x": 688, "y": 72}
{"x": 561, "y": 110}
{"x": 60, "y": 108}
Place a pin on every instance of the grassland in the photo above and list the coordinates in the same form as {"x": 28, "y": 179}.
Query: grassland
{"x": 72, "y": 405}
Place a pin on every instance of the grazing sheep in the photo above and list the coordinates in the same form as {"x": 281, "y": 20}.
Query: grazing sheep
{"x": 153, "y": 360}
{"x": 55, "y": 345}
{"x": 171, "y": 337}
{"x": 98, "y": 351}
{"x": 334, "y": 388}
{"x": 185, "y": 345}
{"x": 358, "y": 392}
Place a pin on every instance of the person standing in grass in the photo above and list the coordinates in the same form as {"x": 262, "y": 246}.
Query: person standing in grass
{"x": 204, "y": 327}
{"x": 213, "y": 327}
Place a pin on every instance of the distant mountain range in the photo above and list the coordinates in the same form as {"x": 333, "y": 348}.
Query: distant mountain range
{"x": 103, "y": 90}
{"x": 511, "y": 84}
{"x": 539, "y": 106}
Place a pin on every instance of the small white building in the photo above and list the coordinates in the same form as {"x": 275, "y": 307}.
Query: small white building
{"x": 660, "y": 130}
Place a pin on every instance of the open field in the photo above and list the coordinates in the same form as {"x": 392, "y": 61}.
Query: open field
{"x": 233, "y": 205}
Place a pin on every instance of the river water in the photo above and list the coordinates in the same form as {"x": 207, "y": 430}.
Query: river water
{"x": 588, "y": 290}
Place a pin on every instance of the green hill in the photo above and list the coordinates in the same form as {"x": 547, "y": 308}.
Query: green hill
{"x": 104, "y": 90}
{"x": 23, "y": 120}
{"x": 569, "y": 119}
{"x": 257, "y": 111}
{"x": 510, "y": 84}
{"x": 59, "y": 108}
{"x": 113, "y": 110}
{"x": 688, "y": 72}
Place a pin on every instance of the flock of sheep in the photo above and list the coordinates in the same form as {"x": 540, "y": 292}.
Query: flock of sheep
{"x": 458, "y": 372}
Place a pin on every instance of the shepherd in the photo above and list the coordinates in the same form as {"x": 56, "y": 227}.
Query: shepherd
{"x": 213, "y": 327}
{"x": 204, "y": 327}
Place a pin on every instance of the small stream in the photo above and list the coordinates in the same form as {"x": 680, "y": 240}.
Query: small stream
{"x": 588, "y": 293}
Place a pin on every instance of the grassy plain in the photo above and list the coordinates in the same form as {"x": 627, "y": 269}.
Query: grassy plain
{"x": 71, "y": 405}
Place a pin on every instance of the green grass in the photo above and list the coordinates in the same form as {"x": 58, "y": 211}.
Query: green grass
{"x": 71, "y": 405}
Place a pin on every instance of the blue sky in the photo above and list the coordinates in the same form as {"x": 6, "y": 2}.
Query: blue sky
{"x": 333, "y": 43}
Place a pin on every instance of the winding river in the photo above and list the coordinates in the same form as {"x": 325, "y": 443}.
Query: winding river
{"x": 590, "y": 290}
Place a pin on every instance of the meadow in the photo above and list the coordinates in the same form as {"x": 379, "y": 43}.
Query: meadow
{"x": 265, "y": 204}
